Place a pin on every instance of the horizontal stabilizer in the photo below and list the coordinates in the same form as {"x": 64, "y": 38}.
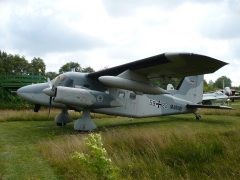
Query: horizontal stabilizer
{"x": 194, "y": 106}
{"x": 233, "y": 97}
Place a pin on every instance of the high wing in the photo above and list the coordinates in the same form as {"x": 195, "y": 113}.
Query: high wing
{"x": 136, "y": 76}
{"x": 166, "y": 65}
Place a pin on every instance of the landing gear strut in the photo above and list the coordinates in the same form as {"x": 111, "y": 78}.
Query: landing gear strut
{"x": 63, "y": 118}
{"x": 85, "y": 123}
{"x": 197, "y": 116}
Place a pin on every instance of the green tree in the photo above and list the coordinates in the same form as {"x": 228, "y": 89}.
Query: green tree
{"x": 208, "y": 87}
{"x": 16, "y": 65}
{"x": 13, "y": 64}
{"x": 38, "y": 66}
{"x": 88, "y": 69}
{"x": 3, "y": 57}
{"x": 223, "y": 81}
{"x": 163, "y": 82}
{"x": 51, "y": 75}
{"x": 70, "y": 67}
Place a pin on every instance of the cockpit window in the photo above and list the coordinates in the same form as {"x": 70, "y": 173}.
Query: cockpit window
{"x": 121, "y": 94}
{"x": 68, "y": 82}
{"x": 63, "y": 80}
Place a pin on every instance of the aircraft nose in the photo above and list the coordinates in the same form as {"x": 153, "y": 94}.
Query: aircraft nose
{"x": 19, "y": 91}
{"x": 23, "y": 92}
{"x": 30, "y": 91}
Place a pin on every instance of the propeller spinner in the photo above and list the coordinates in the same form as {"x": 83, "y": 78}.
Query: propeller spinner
{"x": 51, "y": 92}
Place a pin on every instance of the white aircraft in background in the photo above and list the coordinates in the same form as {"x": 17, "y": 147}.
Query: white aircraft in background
{"x": 126, "y": 90}
{"x": 224, "y": 96}
{"x": 209, "y": 98}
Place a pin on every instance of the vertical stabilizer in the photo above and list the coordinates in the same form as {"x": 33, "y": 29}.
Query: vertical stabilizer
{"x": 191, "y": 89}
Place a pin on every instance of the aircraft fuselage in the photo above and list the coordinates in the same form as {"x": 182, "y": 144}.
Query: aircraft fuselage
{"x": 77, "y": 92}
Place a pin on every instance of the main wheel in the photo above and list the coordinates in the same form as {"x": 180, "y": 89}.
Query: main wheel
{"x": 61, "y": 124}
{"x": 198, "y": 117}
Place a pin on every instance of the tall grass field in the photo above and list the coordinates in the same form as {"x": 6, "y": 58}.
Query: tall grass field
{"x": 167, "y": 147}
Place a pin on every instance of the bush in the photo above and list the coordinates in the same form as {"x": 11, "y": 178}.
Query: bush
{"x": 97, "y": 161}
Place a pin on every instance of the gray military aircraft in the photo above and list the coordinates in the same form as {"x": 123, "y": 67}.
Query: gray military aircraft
{"x": 209, "y": 98}
{"x": 224, "y": 96}
{"x": 126, "y": 90}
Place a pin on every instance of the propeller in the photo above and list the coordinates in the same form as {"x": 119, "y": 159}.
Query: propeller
{"x": 51, "y": 92}
{"x": 50, "y": 106}
{"x": 49, "y": 82}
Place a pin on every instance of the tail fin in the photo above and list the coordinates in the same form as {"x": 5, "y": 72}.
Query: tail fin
{"x": 191, "y": 89}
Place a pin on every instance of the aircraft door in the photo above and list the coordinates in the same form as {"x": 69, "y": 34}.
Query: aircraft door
{"x": 122, "y": 97}
{"x": 131, "y": 102}
{"x": 128, "y": 99}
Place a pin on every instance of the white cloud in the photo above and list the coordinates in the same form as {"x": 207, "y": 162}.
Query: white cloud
{"x": 101, "y": 33}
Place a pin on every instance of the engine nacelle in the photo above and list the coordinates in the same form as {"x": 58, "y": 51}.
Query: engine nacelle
{"x": 85, "y": 98}
{"x": 122, "y": 83}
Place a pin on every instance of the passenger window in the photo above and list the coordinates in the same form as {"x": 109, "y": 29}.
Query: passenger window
{"x": 132, "y": 96}
{"x": 121, "y": 94}
{"x": 86, "y": 85}
{"x": 68, "y": 83}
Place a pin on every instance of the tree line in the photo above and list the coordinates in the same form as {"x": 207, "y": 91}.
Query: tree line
{"x": 18, "y": 65}
{"x": 220, "y": 83}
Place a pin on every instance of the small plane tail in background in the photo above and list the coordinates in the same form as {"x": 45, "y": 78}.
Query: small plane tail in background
{"x": 191, "y": 89}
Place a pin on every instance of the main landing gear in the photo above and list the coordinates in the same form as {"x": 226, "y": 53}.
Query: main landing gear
{"x": 197, "y": 116}
{"x": 84, "y": 123}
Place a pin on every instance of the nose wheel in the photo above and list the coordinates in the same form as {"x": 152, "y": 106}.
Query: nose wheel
{"x": 63, "y": 118}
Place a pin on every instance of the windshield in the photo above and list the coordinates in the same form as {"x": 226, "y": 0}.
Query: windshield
{"x": 63, "y": 80}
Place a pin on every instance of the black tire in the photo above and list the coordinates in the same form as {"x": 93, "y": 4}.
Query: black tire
{"x": 61, "y": 124}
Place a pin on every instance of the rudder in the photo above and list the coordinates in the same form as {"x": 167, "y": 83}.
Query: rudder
{"x": 191, "y": 89}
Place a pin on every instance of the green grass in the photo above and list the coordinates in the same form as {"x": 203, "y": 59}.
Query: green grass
{"x": 168, "y": 147}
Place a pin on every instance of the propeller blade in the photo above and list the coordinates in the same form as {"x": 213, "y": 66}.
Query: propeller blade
{"x": 49, "y": 82}
{"x": 56, "y": 81}
{"x": 50, "y": 106}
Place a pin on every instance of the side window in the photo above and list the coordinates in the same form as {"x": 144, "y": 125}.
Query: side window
{"x": 86, "y": 85}
{"x": 121, "y": 94}
{"x": 132, "y": 96}
{"x": 68, "y": 83}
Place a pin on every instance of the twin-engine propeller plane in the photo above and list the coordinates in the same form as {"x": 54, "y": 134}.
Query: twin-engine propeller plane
{"x": 126, "y": 90}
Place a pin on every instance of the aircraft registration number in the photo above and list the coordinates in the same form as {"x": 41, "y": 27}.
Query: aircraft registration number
{"x": 158, "y": 103}
{"x": 176, "y": 107}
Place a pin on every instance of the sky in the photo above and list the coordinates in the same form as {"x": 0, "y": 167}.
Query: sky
{"x": 106, "y": 33}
